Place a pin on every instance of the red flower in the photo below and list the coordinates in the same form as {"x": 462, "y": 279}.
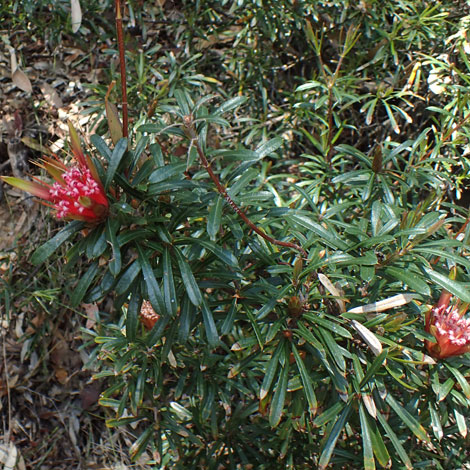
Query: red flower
{"x": 450, "y": 328}
{"x": 77, "y": 192}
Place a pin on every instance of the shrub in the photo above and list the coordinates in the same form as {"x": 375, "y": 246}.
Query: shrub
{"x": 233, "y": 349}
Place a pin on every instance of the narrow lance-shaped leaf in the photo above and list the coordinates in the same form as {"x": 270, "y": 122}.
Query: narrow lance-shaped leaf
{"x": 140, "y": 444}
{"x": 116, "y": 157}
{"x": 270, "y": 372}
{"x": 132, "y": 318}
{"x": 127, "y": 278}
{"x": 46, "y": 250}
{"x": 209, "y": 324}
{"x": 454, "y": 287}
{"x": 395, "y": 442}
{"x": 114, "y": 265}
{"x": 213, "y": 221}
{"x": 112, "y": 115}
{"x": 369, "y": 462}
{"x": 169, "y": 292}
{"x": 153, "y": 289}
{"x": 306, "y": 382}
{"x": 84, "y": 283}
{"x": 378, "y": 445}
{"x": 189, "y": 282}
{"x": 408, "y": 419}
{"x": 279, "y": 397}
{"x": 330, "y": 443}
{"x": 436, "y": 425}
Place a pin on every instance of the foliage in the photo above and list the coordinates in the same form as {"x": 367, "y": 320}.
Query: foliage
{"x": 258, "y": 356}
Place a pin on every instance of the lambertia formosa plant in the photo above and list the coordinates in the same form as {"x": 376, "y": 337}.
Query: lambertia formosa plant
{"x": 273, "y": 301}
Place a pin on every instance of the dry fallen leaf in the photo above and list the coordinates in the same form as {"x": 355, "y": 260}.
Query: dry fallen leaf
{"x": 8, "y": 455}
{"x": 20, "y": 79}
{"x": 328, "y": 285}
{"x": 61, "y": 375}
{"x": 76, "y": 15}
{"x": 91, "y": 311}
{"x": 383, "y": 305}
{"x": 51, "y": 95}
{"x": 370, "y": 339}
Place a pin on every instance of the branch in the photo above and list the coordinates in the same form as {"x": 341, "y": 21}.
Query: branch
{"x": 122, "y": 66}
{"x": 188, "y": 124}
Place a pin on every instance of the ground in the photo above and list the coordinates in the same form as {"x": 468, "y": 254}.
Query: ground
{"x": 49, "y": 409}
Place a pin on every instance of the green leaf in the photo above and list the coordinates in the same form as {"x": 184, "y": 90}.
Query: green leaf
{"x": 153, "y": 289}
{"x": 84, "y": 283}
{"x": 132, "y": 318}
{"x": 269, "y": 147}
{"x": 256, "y": 329}
{"x": 224, "y": 255}
{"x": 408, "y": 419}
{"x": 270, "y": 371}
{"x": 116, "y": 157}
{"x": 242, "y": 182}
{"x": 229, "y": 318}
{"x": 209, "y": 324}
{"x": 279, "y": 397}
{"x": 335, "y": 432}
{"x": 266, "y": 309}
{"x": 454, "y": 287}
{"x": 395, "y": 442}
{"x": 327, "y": 236}
{"x": 189, "y": 282}
{"x": 215, "y": 215}
{"x": 367, "y": 448}
{"x": 335, "y": 350}
{"x": 444, "y": 389}
{"x": 186, "y": 317}
{"x": 461, "y": 423}
{"x": 140, "y": 445}
{"x": 447, "y": 255}
{"x": 436, "y": 425}
{"x": 46, "y": 250}
{"x": 378, "y": 445}
{"x": 463, "y": 382}
{"x": 410, "y": 278}
{"x": 116, "y": 422}
{"x": 374, "y": 367}
{"x": 166, "y": 172}
{"x": 331, "y": 413}
{"x": 306, "y": 382}
{"x": 114, "y": 265}
{"x": 127, "y": 278}
{"x": 230, "y": 104}
{"x": 157, "y": 331}
{"x": 169, "y": 292}
{"x": 101, "y": 146}
{"x": 308, "y": 336}
{"x": 328, "y": 324}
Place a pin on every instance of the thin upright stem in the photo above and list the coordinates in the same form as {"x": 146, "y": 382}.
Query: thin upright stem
{"x": 122, "y": 66}
{"x": 223, "y": 192}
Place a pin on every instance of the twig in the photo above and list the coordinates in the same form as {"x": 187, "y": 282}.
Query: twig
{"x": 191, "y": 132}
{"x": 122, "y": 67}
{"x": 446, "y": 136}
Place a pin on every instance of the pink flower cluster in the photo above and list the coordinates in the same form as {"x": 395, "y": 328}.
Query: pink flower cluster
{"x": 80, "y": 194}
{"x": 450, "y": 328}
{"x": 77, "y": 192}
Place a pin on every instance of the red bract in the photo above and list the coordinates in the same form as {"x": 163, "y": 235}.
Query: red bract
{"x": 77, "y": 192}
{"x": 450, "y": 328}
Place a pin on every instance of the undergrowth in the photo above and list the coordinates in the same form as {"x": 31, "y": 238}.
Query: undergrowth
{"x": 339, "y": 129}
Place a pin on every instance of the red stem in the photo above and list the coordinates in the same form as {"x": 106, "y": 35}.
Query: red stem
{"x": 122, "y": 66}
{"x": 222, "y": 191}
